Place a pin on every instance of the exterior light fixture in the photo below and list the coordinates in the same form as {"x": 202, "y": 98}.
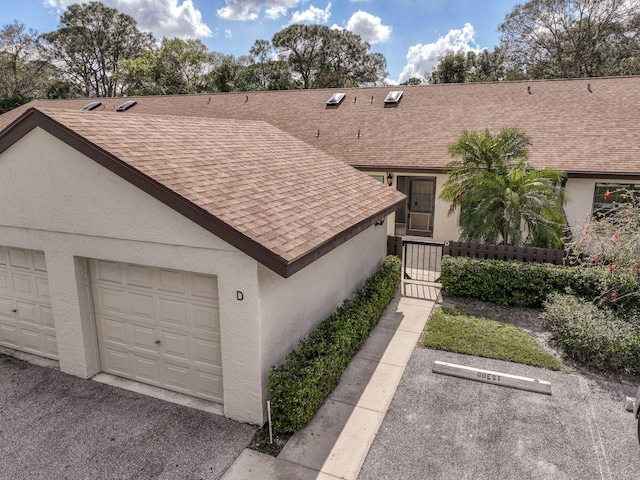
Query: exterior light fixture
{"x": 381, "y": 221}
{"x": 389, "y": 179}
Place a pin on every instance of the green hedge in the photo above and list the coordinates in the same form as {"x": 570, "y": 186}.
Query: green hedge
{"x": 594, "y": 336}
{"x": 309, "y": 374}
{"x": 529, "y": 284}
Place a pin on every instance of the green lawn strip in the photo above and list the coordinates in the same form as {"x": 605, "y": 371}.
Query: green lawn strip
{"x": 460, "y": 332}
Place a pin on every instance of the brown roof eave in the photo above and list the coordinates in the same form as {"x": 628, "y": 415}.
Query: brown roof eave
{"x": 604, "y": 175}
{"x": 324, "y": 248}
{"x": 396, "y": 169}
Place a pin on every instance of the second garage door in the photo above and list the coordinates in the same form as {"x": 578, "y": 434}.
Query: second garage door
{"x": 159, "y": 326}
{"x": 26, "y": 320}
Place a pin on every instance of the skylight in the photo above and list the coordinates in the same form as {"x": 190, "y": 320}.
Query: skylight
{"x": 335, "y": 100}
{"x": 126, "y": 106}
{"x": 393, "y": 97}
{"x": 91, "y": 106}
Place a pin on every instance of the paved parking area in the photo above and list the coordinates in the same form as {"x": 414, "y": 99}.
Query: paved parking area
{"x": 55, "y": 426}
{"x": 444, "y": 427}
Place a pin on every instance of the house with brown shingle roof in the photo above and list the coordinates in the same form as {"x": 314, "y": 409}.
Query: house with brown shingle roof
{"x": 187, "y": 253}
{"x": 250, "y": 206}
{"x": 586, "y": 128}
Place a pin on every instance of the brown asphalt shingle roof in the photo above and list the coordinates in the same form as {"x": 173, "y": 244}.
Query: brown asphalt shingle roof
{"x": 573, "y": 129}
{"x": 272, "y": 196}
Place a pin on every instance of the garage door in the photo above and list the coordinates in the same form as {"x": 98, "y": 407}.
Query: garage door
{"x": 159, "y": 326}
{"x": 26, "y": 321}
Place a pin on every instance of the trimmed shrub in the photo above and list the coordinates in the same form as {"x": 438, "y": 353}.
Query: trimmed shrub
{"x": 309, "y": 374}
{"x": 529, "y": 284}
{"x": 594, "y": 336}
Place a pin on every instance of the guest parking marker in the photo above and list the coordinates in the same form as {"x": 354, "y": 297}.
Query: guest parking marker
{"x": 495, "y": 378}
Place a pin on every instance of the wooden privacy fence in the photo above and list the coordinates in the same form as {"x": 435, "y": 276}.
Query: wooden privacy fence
{"x": 504, "y": 252}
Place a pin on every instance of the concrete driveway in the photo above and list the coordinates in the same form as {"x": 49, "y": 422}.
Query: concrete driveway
{"x": 55, "y": 426}
{"x": 443, "y": 427}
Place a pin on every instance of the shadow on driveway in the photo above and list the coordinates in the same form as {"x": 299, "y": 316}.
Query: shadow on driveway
{"x": 54, "y": 425}
{"x": 443, "y": 427}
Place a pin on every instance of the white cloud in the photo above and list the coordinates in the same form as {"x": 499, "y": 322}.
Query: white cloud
{"x": 312, "y": 15}
{"x": 249, "y": 9}
{"x": 369, "y": 27}
{"x": 168, "y": 18}
{"x": 423, "y": 57}
{"x": 228, "y": 34}
{"x": 275, "y": 12}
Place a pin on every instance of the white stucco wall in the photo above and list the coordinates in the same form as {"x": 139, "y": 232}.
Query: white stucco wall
{"x": 56, "y": 200}
{"x": 291, "y": 307}
{"x": 579, "y": 193}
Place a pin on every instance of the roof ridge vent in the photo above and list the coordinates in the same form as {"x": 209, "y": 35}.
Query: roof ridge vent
{"x": 393, "y": 98}
{"x": 126, "y": 106}
{"x": 336, "y": 99}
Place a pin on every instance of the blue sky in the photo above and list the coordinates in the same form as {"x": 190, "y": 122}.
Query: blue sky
{"x": 409, "y": 33}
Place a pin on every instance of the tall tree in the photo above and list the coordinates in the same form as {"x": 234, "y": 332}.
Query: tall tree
{"x": 572, "y": 38}
{"x": 231, "y": 74}
{"x": 322, "y": 57}
{"x": 23, "y": 73}
{"x": 90, "y": 45}
{"x": 271, "y": 73}
{"x": 175, "y": 66}
{"x": 501, "y": 197}
{"x": 460, "y": 67}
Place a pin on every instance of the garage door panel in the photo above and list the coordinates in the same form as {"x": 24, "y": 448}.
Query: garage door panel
{"x": 205, "y": 286}
{"x": 139, "y": 275}
{"x": 46, "y": 317}
{"x": 144, "y": 338}
{"x": 9, "y": 335}
{"x": 172, "y": 313}
{"x": 42, "y": 288}
{"x": 5, "y": 307}
{"x": 177, "y": 377}
{"x": 39, "y": 263}
{"x": 106, "y": 271}
{"x": 110, "y": 300}
{"x": 175, "y": 345}
{"x": 24, "y": 285}
{"x": 206, "y": 318}
{"x": 171, "y": 281}
{"x": 139, "y": 305}
{"x": 147, "y": 369}
{"x": 51, "y": 344}
{"x": 27, "y": 314}
{"x": 116, "y": 361}
{"x": 32, "y": 340}
{"x": 20, "y": 258}
{"x": 5, "y": 283}
{"x": 210, "y": 385}
{"x": 206, "y": 352}
{"x": 114, "y": 330}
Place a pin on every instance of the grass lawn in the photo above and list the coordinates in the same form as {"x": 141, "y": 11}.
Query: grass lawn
{"x": 457, "y": 331}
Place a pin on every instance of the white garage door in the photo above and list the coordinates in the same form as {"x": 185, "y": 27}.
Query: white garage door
{"x": 159, "y": 326}
{"x": 26, "y": 321}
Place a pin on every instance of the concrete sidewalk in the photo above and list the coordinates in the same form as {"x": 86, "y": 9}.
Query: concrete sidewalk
{"x": 335, "y": 443}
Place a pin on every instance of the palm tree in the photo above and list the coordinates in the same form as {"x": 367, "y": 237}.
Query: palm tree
{"x": 502, "y": 198}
